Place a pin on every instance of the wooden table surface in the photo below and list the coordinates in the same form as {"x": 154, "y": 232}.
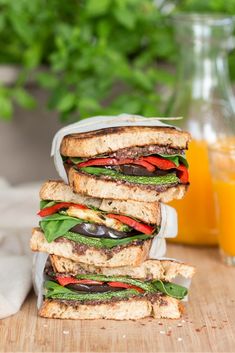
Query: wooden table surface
{"x": 207, "y": 326}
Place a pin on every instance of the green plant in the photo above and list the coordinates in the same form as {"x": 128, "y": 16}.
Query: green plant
{"x": 26, "y": 36}
{"x": 99, "y": 56}
{"x": 110, "y": 55}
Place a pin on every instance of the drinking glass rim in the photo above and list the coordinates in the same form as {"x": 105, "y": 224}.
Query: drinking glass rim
{"x": 224, "y": 149}
{"x": 205, "y": 18}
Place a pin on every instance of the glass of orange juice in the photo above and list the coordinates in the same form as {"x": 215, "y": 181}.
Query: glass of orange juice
{"x": 222, "y": 163}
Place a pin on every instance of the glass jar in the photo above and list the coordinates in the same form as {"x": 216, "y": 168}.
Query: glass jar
{"x": 203, "y": 96}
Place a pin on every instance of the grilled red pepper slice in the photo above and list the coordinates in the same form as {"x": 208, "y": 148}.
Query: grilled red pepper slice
{"x": 141, "y": 227}
{"x": 64, "y": 281}
{"x": 98, "y": 161}
{"x": 182, "y": 173}
{"x": 159, "y": 162}
{"x": 149, "y": 162}
{"x": 114, "y": 161}
{"x": 125, "y": 285}
{"x": 164, "y": 164}
{"x": 53, "y": 209}
{"x": 147, "y": 165}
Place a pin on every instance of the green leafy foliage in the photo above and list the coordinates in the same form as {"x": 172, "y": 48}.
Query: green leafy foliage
{"x": 171, "y": 289}
{"x": 168, "y": 288}
{"x": 176, "y": 158}
{"x": 6, "y": 107}
{"x": 100, "y": 57}
{"x": 55, "y": 291}
{"x": 57, "y": 225}
{"x": 46, "y": 203}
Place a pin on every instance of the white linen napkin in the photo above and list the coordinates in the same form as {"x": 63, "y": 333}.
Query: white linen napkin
{"x": 18, "y": 209}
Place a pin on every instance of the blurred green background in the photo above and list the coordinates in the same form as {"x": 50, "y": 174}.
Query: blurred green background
{"x": 92, "y": 56}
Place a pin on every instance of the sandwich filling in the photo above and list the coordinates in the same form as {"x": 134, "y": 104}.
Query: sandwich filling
{"x": 149, "y": 165}
{"x": 100, "y": 288}
{"x": 90, "y": 226}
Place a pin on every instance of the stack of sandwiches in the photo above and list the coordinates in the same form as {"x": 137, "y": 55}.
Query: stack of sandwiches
{"x": 99, "y": 229}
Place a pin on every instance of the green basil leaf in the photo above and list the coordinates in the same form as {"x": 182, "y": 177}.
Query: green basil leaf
{"x": 57, "y": 225}
{"x": 46, "y": 203}
{"x": 76, "y": 160}
{"x": 175, "y": 158}
{"x": 54, "y": 290}
{"x": 171, "y": 289}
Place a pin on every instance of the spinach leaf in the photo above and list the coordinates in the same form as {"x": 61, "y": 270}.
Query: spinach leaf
{"x": 76, "y": 160}
{"x": 54, "y": 290}
{"x": 175, "y": 158}
{"x": 46, "y": 203}
{"x": 57, "y": 225}
{"x": 171, "y": 289}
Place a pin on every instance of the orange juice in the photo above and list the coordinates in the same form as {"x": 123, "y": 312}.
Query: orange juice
{"x": 196, "y": 211}
{"x": 222, "y": 159}
{"x": 225, "y": 202}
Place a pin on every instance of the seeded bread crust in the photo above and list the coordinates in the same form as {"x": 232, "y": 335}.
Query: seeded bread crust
{"x": 132, "y": 255}
{"x": 112, "y": 139}
{"x": 91, "y": 185}
{"x": 148, "y": 212}
{"x": 132, "y": 309}
{"x": 164, "y": 270}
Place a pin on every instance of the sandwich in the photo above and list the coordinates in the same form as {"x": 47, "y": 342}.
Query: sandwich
{"x": 137, "y": 163}
{"x": 120, "y": 294}
{"x": 101, "y": 232}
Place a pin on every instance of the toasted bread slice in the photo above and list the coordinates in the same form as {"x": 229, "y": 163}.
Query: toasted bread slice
{"x": 132, "y": 309}
{"x": 57, "y": 190}
{"x": 111, "y": 139}
{"x": 164, "y": 270}
{"x": 106, "y": 188}
{"x": 148, "y": 212}
{"x": 131, "y": 255}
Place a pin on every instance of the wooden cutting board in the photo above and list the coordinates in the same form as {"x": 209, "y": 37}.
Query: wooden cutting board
{"x": 207, "y": 326}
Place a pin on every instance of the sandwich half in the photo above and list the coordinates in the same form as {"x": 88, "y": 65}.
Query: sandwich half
{"x": 130, "y": 163}
{"x": 108, "y": 233}
{"x": 82, "y": 294}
